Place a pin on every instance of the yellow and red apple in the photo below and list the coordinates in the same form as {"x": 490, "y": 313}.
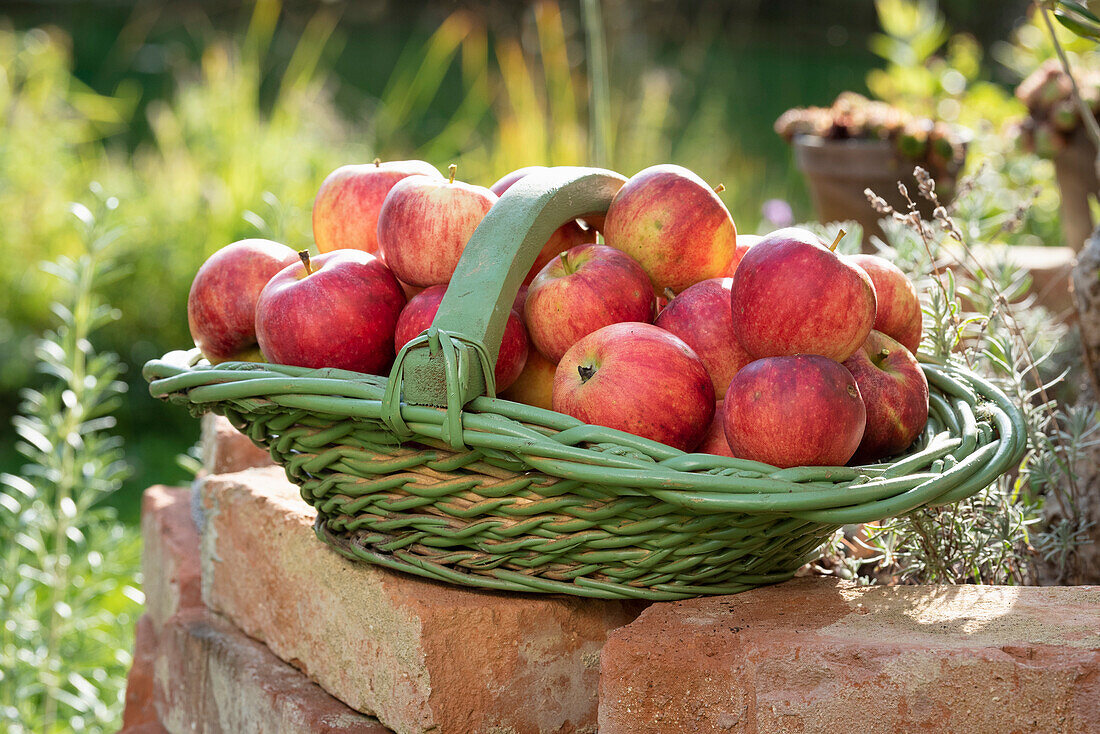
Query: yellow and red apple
{"x": 674, "y": 225}
{"x": 899, "y": 312}
{"x": 425, "y": 224}
{"x": 345, "y": 212}
{"x": 793, "y": 295}
{"x": 702, "y": 317}
{"x": 582, "y": 290}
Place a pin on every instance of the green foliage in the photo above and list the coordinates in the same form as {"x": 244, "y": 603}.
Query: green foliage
{"x": 1077, "y": 18}
{"x": 67, "y": 565}
{"x": 53, "y": 131}
{"x": 1030, "y": 45}
{"x": 933, "y": 73}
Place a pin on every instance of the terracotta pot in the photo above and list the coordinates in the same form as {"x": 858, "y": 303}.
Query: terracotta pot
{"x": 837, "y": 172}
{"x": 1075, "y": 170}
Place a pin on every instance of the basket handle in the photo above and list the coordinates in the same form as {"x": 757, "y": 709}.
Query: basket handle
{"x": 452, "y": 362}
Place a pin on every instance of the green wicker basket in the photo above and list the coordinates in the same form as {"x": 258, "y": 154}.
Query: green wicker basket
{"x": 426, "y": 472}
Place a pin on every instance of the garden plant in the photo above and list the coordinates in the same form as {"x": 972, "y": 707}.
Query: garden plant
{"x": 118, "y": 187}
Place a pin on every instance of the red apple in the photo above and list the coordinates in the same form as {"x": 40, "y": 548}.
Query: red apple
{"x": 895, "y": 391}
{"x": 505, "y": 182}
{"x": 584, "y": 289}
{"x": 424, "y": 226}
{"x": 408, "y": 290}
{"x": 221, "y": 307}
{"x": 338, "y": 310}
{"x": 715, "y": 441}
{"x": 701, "y": 317}
{"x": 420, "y": 311}
{"x": 637, "y": 378}
{"x": 674, "y": 225}
{"x": 794, "y": 411}
{"x": 744, "y": 242}
{"x": 520, "y": 300}
{"x": 793, "y": 295}
{"x": 535, "y": 385}
{"x": 899, "y": 314}
{"x": 564, "y": 237}
{"x": 345, "y": 212}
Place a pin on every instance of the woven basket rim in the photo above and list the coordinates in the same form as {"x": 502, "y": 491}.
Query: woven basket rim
{"x": 976, "y": 434}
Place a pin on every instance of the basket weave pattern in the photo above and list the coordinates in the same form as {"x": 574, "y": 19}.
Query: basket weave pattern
{"x": 541, "y": 502}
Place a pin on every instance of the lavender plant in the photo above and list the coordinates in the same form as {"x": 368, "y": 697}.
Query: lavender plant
{"x": 976, "y": 313}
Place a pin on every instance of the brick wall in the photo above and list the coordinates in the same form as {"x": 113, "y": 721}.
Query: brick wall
{"x": 256, "y": 626}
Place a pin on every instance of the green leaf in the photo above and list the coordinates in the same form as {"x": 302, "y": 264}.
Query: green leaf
{"x": 1080, "y": 9}
{"x": 1085, "y": 30}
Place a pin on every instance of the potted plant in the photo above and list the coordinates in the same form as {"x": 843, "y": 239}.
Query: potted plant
{"x": 1053, "y": 129}
{"x": 857, "y": 144}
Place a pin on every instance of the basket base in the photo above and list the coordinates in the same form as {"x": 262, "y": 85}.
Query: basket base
{"x": 500, "y": 579}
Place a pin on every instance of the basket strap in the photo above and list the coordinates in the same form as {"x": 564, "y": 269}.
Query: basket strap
{"x": 452, "y": 363}
{"x": 455, "y": 351}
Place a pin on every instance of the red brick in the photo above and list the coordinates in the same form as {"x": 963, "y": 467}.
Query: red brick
{"x": 421, "y": 656}
{"x": 170, "y": 557}
{"x": 211, "y": 677}
{"x": 813, "y": 655}
{"x": 225, "y": 449}
{"x": 139, "y": 683}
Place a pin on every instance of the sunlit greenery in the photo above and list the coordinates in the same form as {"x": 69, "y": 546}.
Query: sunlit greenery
{"x": 67, "y": 566}
{"x": 236, "y": 145}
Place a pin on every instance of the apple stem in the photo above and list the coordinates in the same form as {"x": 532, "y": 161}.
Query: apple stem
{"x": 585, "y": 372}
{"x": 719, "y": 188}
{"x": 378, "y": 162}
{"x": 839, "y": 237}
{"x": 304, "y": 255}
{"x": 452, "y": 169}
{"x": 563, "y": 256}
{"x": 669, "y": 294}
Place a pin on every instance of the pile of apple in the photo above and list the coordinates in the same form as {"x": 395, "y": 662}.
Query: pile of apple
{"x": 774, "y": 348}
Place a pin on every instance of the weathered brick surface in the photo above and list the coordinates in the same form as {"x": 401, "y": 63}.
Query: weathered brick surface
{"x": 212, "y": 678}
{"x": 419, "y": 655}
{"x": 225, "y": 449}
{"x": 814, "y": 655}
{"x": 139, "y": 714}
{"x": 170, "y": 558}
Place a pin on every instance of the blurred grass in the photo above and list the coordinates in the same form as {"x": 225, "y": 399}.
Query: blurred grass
{"x": 212, "y": 129}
